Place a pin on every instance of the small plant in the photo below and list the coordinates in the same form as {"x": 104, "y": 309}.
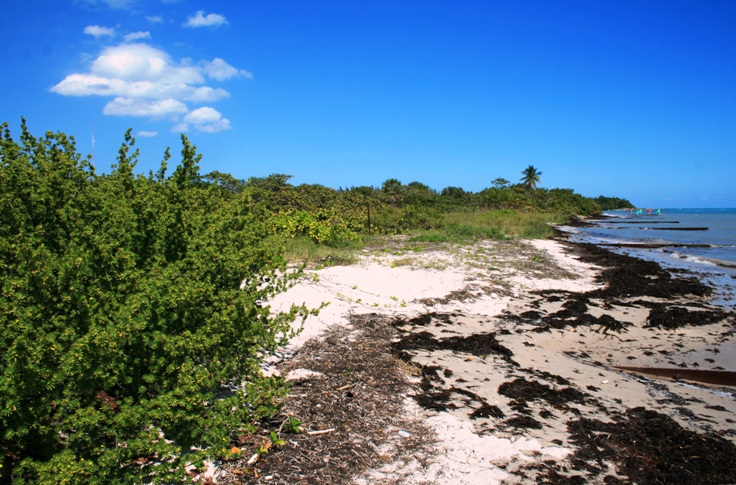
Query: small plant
{"x": 293, "y": 425}
{"x": 263, "y": 448}
{"x": 272, "y": 441}
{"x": 402, "y": 262}
{"x": 275, "y": 440}
{"x": 394, "y": 298}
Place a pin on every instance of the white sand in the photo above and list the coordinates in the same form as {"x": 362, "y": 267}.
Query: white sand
{"x": 393, "y": 285}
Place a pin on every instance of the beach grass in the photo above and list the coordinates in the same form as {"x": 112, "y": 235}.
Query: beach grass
{"x": 462, "y": 227}
{"x": 305, "y": 250}
{"x": 517, "y": 224}
{"x": 455, "y": 228}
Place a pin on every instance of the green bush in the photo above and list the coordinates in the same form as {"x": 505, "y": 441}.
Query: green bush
{"x": 132, "y": 316}
{"x": 613, "y": 203}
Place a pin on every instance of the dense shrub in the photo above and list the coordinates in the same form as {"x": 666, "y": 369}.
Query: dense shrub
{"x": 132, "y": 320}
{"x": 613, "y": 203}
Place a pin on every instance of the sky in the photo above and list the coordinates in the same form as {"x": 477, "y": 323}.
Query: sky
{"x": 625, "y": 98}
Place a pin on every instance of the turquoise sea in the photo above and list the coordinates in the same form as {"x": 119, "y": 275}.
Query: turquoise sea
{"x": 709, "y": 251}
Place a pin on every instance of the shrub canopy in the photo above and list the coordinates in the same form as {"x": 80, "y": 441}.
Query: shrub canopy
{"x": 131, "y": 311}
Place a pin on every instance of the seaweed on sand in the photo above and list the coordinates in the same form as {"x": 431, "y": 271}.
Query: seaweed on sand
{"x": 479, "y": 345}
{"x": 437, "y": 398}
{"x": 650, "y": 447}
{"x": 424, "y": 319}
{"x": 433, "y": 397}
{"x": 628, "y": 276}
{"x": 672, "y": 317}
{"x": 523, "y": 391}
{"x": 358, "y": 394}
{"x": 624, "y": 277}
{"x": 522, "y": 422}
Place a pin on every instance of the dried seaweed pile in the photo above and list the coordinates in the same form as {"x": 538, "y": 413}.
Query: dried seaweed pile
{"x": 436, "y": 395}
{"x": 356, "y": 391}
{"x": 647, "y": 447}
{"x": 479, "y": 345}
{"x": 625, "y": 277}
{"x": 522, "y": 391}
{"x": 672, "y": 317}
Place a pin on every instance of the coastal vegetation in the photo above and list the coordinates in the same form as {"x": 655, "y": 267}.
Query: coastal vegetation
{"x": 133, "y": 314}
{"x": 613, "y": 203}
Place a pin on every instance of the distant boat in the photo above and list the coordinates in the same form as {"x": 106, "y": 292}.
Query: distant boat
{"x": 644, "y": 212}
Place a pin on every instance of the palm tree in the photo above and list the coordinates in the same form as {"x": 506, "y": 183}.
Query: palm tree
{"x": 531, "y": 177}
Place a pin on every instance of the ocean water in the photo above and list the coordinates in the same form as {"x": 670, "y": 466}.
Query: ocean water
{"x": 709, "y": 254}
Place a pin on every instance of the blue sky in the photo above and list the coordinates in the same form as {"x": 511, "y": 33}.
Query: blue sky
{"x": 633, "y": 99}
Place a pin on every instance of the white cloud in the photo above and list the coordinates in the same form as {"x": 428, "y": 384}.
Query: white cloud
{"x": 215, "y": 127}
{"x": 136, "y": 36}
{"x": 201, "y": 115}
{"x": 155, "y": 19}
{"x": 141, "y": 62}
{"x": 89, "y": 85}
{"x": 204, "y": 94}
{"x": 209, "y": 20}
{"x": 161, "y": 108}
{"x": 147, "y": 134}
{"x": 179, "y": 128}
{"x": 96, "y": 31}
{"x": 207, "y": 119}
{"x": 221, "y": 70}
{"x": 146, "y": 82}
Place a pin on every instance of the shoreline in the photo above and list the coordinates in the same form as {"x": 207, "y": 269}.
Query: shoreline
{"x": 504, "y": 347}
{"x": 720, "y": 274}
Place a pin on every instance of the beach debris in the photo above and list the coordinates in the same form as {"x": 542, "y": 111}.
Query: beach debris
{"x": 650, "y": 447}
{"x": 296, "y": 375}
{"x": 478, "y": 345}
{"x": 522, "y": 391}
{"x": 716, "y": 377}
{"x": 669, "y": 317}
{"x": 349, "y": 427}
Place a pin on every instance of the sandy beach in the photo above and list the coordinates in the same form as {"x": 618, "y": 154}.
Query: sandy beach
{"x": 500, "y": 362}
